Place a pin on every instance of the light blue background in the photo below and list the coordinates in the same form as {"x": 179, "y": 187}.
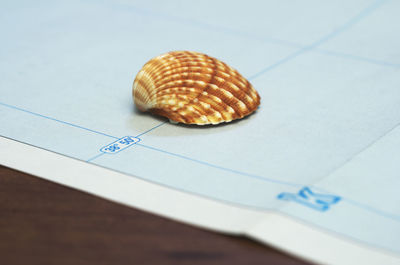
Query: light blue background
{"x": 327, "y": 73}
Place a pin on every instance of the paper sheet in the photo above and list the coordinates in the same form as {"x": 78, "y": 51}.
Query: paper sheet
{"x": 320, "y": 155}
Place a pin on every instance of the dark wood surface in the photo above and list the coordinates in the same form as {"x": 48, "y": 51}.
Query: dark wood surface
{"x": 45, "y": 223}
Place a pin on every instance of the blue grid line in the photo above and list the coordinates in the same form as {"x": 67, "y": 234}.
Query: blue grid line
{"x": 149, "y": 130}
{"x": 364, "y": 13}
{"x": 235, "y": 32}
{"x": 352, "y": 21}
{"x": 365, "y": 148}
{"x": 292, "y": 184}
{"x": 360, "y": 205}
{"x": 57, "y": 120}
{"x": 96, "y": 156}
{"x": 373, "y": 210}
{"x": 137, "y": 136}
{"x": 222, "y": 168}
{"x": 200, "y": 24}
{"x": 358, "y": 58}
{"x": 145, "y": 132}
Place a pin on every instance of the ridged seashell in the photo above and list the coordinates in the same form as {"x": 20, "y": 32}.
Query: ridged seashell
{"x": 193, "y": 88}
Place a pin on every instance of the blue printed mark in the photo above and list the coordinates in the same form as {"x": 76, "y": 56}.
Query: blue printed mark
{"x": 317, "y": 201}
{"x": 120, "y": 145}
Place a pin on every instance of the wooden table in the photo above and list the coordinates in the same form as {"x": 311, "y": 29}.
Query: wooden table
{"x": 46, "y": 223}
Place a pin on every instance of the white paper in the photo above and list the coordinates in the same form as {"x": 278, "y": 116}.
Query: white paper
{"x": 318, "y": 158}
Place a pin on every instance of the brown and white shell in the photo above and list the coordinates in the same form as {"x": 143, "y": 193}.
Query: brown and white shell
{"x": 193, "y": 88}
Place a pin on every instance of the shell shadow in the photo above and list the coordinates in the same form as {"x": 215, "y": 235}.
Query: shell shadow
{"x": 139, "y": 122}
{"x": 181, "y": 129}
{"x": 208, "y": 126}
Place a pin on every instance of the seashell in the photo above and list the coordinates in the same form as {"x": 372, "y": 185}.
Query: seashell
{"x": 193, "y": 88}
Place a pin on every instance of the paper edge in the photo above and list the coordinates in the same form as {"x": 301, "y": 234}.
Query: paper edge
{"x": 267, "y": 227}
